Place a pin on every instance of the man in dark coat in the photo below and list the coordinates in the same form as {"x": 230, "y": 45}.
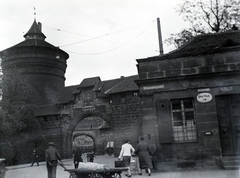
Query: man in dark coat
{"x": 34, "y": 158}
{"x": 52, "y": 156}
{"x": 143, "y": 153}
{"x": 77, "y": 156}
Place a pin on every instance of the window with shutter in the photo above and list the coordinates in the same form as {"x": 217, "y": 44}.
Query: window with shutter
{"x": 164, "y": 121}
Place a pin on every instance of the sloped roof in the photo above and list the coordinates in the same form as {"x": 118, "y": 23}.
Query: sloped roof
{"x": 88, "y": 82}
{"x": 67, "y": 94}
{"x": 127, "y": 84}
{"x": 34, "y": 30}
{"x": 37, "y": 42}
{"x": 204, "y": 44}
{"x": 103, "y": 88}
{"x": 46, "y": 110}
{"x": 106, "y": 85}
{"x": 34, "y": 42}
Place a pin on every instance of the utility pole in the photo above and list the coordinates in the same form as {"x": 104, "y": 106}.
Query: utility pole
{"x": 160, "y": 37}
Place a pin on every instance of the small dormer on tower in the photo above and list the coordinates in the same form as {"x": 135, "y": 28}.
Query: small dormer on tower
{"x": 35, "y": 32}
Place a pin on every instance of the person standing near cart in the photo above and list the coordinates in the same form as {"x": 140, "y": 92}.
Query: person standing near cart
{"x": 77, "y": 156}
{"x": 125, "y": 154}
{"x": 52, "y": 156}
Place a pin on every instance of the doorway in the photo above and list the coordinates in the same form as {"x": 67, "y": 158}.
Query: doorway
{"x": 228, "y": 110}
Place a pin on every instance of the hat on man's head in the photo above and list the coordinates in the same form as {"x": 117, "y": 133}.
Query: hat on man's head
{"x": 51, "y": 143}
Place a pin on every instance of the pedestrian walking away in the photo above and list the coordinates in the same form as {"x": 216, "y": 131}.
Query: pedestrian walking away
{"x": 143, "y": 152}
{"x": 77, "y": 157}
{"x": 125, "y": 154}
{"x": 52, "y": 157}
{"x": 110, "y": 148}
{"x": 34, "y": 158}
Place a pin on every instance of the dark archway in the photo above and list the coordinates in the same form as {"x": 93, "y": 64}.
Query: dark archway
{"x": 98, "y": 132}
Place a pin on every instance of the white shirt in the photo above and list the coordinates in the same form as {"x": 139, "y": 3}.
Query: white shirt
{"x": 126, "y": 150}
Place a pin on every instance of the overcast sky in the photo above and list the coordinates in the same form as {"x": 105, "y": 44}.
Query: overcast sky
{"x": 102, "y": 37}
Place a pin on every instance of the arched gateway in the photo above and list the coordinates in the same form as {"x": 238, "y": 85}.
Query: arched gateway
{"x": 90, "y": 130}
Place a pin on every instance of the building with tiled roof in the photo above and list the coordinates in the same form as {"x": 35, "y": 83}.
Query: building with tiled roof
{"x": 190, "y": 98}
{"x": 184, "y": 103}
{"x": 89, "y": 82}
{"x": 205, "y": 44}
{"x": 126, "y": 85}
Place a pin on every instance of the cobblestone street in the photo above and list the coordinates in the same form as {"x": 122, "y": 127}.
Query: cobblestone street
{"x": 26, "y": 171}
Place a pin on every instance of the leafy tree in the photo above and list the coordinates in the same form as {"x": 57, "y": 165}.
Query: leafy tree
{"x": 17, "y": 111}
{"x": 206, "y": 16}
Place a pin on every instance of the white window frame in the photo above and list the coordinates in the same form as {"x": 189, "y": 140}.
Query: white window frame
{"x": 184, "y": 130}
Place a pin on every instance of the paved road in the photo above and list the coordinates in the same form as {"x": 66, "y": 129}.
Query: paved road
{"x": 26, "y": 171}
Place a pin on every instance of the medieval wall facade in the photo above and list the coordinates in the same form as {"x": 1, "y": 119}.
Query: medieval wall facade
{"x": 121, "y": 112}
{"x": 167, "y": 82}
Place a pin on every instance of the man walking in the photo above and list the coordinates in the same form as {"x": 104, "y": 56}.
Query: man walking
{"x": 35, "y": 158}
{"x": 52, "y": 156}
{"x": 126, "y": 152}
{"x": 77, "y": 157}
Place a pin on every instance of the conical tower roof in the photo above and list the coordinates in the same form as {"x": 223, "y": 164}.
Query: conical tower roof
{"x": 35, "y": 32}
{"x": 35, "y": 38}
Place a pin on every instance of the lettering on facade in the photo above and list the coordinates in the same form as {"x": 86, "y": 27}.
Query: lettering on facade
{"x": 204, "y": 97}
{"x": 155, "y": 87}
{"x": 88, "y": 108}
{"x": 226, "y": 89}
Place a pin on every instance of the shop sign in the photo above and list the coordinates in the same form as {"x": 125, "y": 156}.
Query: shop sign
{"x": 204, "y": 97}
{"x": 155, "y": 87}
{"x": 203, "y": 89}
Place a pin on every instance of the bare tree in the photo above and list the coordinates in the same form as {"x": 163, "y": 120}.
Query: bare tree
{"x": 206, "y": 16}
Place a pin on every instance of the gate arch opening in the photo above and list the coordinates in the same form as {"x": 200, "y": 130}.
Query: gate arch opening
{"x": 92, "y": 134}
{"x": 85, "y": 142}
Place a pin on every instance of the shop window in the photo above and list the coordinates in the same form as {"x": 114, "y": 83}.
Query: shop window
{"x": 183, "y": 120}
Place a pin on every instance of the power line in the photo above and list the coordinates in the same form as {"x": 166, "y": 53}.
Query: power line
{"x": 98, "y": 37}
{"x": 113, "y": 48}
{"x": 92, "y": 38}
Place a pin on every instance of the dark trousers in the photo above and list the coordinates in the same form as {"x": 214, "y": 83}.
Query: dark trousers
{"x": 52, "y": 170}
{"x": 35, "y": 160}
{"x": 76, "y": 163}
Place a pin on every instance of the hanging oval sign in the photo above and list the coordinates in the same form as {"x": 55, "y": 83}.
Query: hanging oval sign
{"x": 204, "y": 97}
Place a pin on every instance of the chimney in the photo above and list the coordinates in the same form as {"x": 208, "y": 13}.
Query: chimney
{"x": 40, "y": 26}
{"x": 160, "y": 37}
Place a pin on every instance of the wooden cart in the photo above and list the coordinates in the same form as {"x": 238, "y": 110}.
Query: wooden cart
{"x": 106, "y": 173}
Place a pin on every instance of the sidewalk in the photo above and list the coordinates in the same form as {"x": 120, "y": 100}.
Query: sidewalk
{"x": 26, "y": 171}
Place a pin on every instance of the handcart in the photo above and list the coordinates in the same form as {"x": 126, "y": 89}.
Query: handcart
{"x": 106, "y": 173}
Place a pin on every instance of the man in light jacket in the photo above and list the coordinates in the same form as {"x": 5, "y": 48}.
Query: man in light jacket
{"x": 125, "y": 154}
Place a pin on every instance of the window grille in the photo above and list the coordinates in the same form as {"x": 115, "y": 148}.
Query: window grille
{"x": 183, "y": 120}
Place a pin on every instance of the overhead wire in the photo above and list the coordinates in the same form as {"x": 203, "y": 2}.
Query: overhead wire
{"x": 92, "y": 38}
{"x": 113, "y": 48}
{"x": 98, "y": 37}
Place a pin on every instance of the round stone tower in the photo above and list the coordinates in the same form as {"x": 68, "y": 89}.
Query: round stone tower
{"x": 35, "y": 67}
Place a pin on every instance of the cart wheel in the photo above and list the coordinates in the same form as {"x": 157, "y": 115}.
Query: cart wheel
{"x": 117, "y": 175}
{"x": 96, "y": 175}
{"x": 72, "y": 175}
